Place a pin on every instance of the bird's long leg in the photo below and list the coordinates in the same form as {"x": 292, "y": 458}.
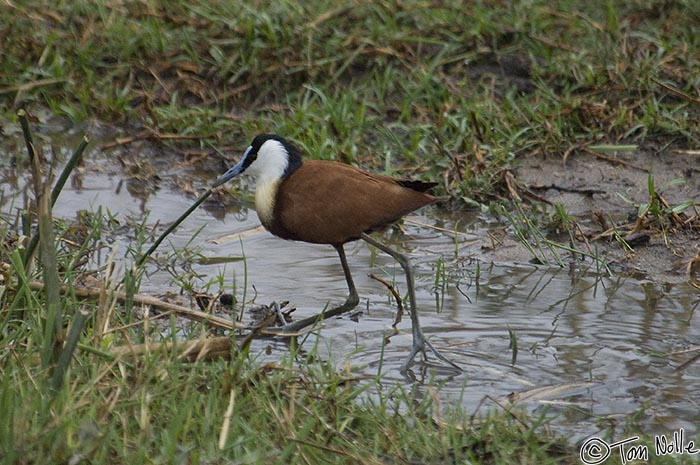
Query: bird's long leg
{"x": 420, "y": 343}
{"x": 353, "y": 299}
{"x": 350, "y": 303}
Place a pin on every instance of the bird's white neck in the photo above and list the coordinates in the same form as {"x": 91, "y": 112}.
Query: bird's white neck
{"x": 265, "y": 194}
{"x": 268, "y": 169}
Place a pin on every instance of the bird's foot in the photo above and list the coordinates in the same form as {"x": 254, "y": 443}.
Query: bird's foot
{"x": 294, "y": 327}
{"x": 273, "y": 319}
{"x": 422, "y": 345}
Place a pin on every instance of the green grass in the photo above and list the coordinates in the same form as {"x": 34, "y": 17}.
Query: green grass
{"x": 76, "y": 389}
{"x": 91, "y": 401}
{"x": 447, "y": 90}
{"x": 159, "y": 409}
{"x": 451, "y": 87}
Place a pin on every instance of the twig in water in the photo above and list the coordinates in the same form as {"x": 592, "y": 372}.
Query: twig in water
{"x": 687, "y": 363}
{"x": 396, "y": 295}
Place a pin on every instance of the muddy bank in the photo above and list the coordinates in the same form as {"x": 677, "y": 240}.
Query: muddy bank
{"x": 604, "y": 192}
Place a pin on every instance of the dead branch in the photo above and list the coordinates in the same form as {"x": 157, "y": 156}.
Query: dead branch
{"x": 190, "y": 351}
{"x": 140, "y": 299}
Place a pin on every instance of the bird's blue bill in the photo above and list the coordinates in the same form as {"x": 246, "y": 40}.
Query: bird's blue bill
{"x": 237, "y": 169}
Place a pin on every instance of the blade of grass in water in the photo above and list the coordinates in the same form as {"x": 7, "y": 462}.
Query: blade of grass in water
{"x": 53, "y": 319}
{"x": 172, "y": 227}
{"x": 58, "y": 187}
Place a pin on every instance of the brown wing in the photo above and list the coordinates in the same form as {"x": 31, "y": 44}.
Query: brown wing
{"x": 333, "y": 203}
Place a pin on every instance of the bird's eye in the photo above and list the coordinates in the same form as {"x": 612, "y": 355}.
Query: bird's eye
{"x": 250, "y": 154}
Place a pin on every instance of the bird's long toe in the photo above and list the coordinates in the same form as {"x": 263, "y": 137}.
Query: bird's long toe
{"x": 421, "y": 346}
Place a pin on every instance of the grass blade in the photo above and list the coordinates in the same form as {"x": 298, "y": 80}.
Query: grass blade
{"x": 172, "y": 227}
{"x": 64, "y": 359}
{"x": 53, "y": 328}
{"x": 57, "y": 188}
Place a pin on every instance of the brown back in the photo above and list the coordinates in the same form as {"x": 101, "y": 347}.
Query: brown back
{"x": 332, "y": 203}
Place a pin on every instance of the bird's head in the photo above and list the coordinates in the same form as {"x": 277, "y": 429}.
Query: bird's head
{"x": 269, "y": 157}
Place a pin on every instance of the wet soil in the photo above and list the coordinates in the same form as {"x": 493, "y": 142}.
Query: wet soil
{"x": 604, "y": 190}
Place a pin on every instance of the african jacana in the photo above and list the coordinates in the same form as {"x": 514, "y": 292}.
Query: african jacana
{"x": 325, "y": 202}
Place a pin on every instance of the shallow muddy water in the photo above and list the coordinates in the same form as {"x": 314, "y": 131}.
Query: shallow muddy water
{"x": 592, "y": 351}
